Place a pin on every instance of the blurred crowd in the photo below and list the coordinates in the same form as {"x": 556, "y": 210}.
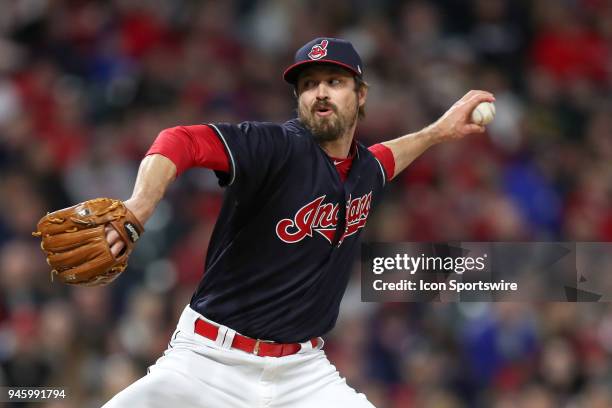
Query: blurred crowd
{"x": 86, "y": 86}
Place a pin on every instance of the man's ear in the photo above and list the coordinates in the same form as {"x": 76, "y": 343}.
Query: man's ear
{"x": 362, "y": 94}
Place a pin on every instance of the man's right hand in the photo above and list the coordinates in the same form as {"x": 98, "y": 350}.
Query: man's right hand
{"x": 456, "y": 123}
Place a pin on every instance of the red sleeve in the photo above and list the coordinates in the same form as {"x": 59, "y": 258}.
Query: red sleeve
{"x": 385, "y": 157}
{"x": 191, "y": 146}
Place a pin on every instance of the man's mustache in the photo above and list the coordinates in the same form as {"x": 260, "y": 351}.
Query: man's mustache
{"x": 323, "y": 105}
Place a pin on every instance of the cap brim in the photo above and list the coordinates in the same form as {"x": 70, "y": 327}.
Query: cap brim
{"x": 291, "y": 73}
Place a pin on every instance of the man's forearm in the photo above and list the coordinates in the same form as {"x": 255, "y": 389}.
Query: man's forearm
{"x": 407, "y": 148}
{"x": 156, "y": 172}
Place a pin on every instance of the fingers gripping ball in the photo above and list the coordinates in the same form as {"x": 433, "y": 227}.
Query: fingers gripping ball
{"x": 74, "y": 241}
{"x": 484, "y": 113}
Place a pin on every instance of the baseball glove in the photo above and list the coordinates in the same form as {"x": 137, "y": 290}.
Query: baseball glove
{"x": 74, "y": 241}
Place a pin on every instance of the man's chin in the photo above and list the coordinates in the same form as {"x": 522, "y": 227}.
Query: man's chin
{"x": 325, "y": 134}
{"x": 322, "y": 128}
{"x": 322, "y": 119}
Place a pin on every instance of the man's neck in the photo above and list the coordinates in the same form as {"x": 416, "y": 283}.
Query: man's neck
{"x": 339, "y": 148}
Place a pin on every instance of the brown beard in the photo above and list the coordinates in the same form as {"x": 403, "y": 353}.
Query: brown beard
{"x": 328, "y": 128}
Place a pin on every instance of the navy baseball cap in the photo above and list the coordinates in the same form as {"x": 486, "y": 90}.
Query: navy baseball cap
{"x": 325, "y": 50}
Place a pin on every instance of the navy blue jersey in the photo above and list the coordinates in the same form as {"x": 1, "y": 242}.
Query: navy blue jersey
{"x": 288, "y": 232}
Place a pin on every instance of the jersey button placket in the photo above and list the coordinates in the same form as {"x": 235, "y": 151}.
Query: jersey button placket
{"x": 341, "y": 227}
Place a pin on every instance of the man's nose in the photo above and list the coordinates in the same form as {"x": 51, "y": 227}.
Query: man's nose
{"x": 322, "y": 91}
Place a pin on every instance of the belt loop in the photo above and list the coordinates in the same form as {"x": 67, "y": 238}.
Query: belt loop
{"x": 320, "y": 343}
{"x": 220, "y": 340}
{"x": 305, "y": 347}
{"x": 229, "y": 338}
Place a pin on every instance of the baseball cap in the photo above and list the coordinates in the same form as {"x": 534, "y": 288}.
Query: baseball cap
{"x": 325, "y": 50}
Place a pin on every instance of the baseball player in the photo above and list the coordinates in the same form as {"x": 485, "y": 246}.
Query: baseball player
{"x": 298, "y": 195}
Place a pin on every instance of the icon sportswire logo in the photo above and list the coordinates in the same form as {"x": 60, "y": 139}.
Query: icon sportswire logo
{"x": 322, "y": 218}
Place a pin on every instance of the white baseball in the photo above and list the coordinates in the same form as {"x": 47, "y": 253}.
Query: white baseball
{"x": 484, "y": 113}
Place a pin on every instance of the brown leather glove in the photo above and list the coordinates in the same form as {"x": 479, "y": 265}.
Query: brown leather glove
{"x": 74, "y": 241}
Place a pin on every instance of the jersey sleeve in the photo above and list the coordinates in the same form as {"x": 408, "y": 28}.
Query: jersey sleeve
{"x": 384, "y": 156}
{"x": 256, "y": 151}
{"x": 191, "y": 146}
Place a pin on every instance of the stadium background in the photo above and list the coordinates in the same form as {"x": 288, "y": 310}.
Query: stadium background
{"x": 85, "y": 86}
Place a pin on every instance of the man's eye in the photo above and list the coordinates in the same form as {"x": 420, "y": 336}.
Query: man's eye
{"x": 309, "y": 84}
{"x": 335, "y": 82}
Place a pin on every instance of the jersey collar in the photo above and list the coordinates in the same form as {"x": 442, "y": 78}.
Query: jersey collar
{"x": 353, "y": 151}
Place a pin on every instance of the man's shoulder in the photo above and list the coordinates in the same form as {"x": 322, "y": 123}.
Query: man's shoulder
{"x": 364, "y": 152}
{"x": 295, "y": 127}
{"x": 292, "y": 127}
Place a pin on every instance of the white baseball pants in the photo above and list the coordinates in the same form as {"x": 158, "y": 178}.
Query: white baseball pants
{"x": 196, "y": 372}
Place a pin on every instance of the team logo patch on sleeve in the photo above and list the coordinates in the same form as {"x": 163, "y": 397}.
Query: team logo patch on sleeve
{"x": 318, "y": 51}
{"x": 320, "y": 217}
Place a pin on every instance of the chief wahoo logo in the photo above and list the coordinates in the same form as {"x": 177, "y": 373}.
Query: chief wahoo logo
{"x": 318, "y": 51}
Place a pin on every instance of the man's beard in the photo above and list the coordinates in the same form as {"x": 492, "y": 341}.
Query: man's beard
{"x": 326, "y": 128}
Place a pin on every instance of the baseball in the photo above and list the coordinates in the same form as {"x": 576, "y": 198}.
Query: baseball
{"x": 484, "y": 113}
